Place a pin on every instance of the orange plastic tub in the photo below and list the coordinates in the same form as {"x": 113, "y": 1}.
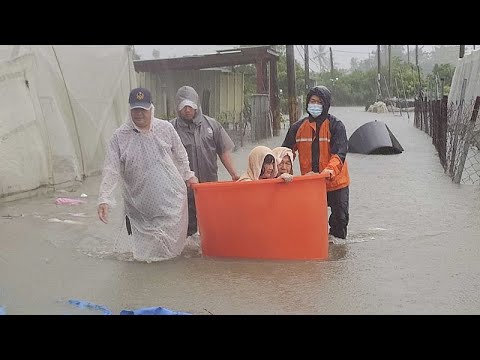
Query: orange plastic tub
{"x": 265, "y": 219}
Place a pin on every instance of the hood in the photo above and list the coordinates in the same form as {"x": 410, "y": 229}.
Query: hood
{"x": 323, "y": 93}
{"x": 280, "y": 153}
{"x": 188, "y": 93}
{"x": 255, "y": 163}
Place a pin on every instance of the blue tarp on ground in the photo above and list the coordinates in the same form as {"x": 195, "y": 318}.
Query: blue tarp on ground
{"x": 88, "y": 305}
{"x": 156, "y": 310}
{"x": 153, "y": 311}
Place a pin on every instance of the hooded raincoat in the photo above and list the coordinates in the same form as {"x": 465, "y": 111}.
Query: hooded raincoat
{"x": 280, "y": 153}
{"x": 204, "y": 138}
{"x": 152, "y": 167}
{"x": 255, "y": 164}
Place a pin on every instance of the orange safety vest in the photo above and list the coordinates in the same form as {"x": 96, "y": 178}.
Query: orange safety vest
{"x": 303, "y": 144}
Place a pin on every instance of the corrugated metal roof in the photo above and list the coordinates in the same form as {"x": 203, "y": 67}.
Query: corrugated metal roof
{"x": 228, "y": 57}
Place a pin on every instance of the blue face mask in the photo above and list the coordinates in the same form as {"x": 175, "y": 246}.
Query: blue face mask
{"x": 315, "y": 110}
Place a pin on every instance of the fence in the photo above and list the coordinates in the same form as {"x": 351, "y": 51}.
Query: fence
{"x": 455, "y": 134}
{"x": 431, "y": 117}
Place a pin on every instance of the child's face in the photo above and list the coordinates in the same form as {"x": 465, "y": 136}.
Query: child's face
{"x": 285, "y": 166}
{"x": 267, "y": 171}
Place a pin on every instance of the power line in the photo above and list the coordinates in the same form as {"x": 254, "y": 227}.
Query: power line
{"x": 353, "y": 52}
{"x": 300, "y": 52}
{"x": 310, "y": 58}
{"x": 313, "y": 60}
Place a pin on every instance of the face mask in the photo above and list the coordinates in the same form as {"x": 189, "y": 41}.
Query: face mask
{"x": 315, "y": 109}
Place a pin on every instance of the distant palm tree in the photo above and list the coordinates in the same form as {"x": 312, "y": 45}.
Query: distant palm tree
{"x": 321, "y": 54}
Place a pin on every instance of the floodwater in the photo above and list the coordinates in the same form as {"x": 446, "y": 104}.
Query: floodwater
{"x": 413, "y": 248}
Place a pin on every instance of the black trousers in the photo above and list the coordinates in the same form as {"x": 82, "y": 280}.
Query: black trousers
{"x": 192, "y": 213}
{"x": 338, "y": 202}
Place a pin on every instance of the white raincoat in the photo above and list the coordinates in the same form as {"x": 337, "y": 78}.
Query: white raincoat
{"x": 153, "y": 168}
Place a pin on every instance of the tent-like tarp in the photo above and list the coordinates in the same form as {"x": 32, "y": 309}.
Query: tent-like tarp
{"x": 59, "y": 105}
{"x": 374, "y": 138}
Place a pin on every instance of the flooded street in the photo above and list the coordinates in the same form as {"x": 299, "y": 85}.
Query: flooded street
{"x": 413, "y": 248}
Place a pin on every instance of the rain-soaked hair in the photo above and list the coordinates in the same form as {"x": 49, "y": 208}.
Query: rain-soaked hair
{"x": 269, "y": 159}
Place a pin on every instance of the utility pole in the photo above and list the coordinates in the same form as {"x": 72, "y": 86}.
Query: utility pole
{"x": 331, "y": 63}
{"x": 389, "y": 66}
{"x": 307, "y": 70}
{"x": 418, "y": 71}
{"x": 292, "y": 96}
{"x": 379, "y": 91}
{"x": 416, "y": 61}
{"x": 408, "y": 54}
{"x": 462, "y": 51}
{"x": 320, "y": 58}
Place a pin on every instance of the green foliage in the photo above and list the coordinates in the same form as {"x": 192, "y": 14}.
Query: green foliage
{"x": 358, "y": 87}
{"x": 283, "y": 83}
{"x": 441, "y": 54}
{"x": 249, "y": 78}
{"x": 441, "y": 74}
{"x": 250, "y": 82}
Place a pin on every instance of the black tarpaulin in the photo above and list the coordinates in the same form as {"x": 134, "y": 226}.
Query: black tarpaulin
{"x": 374, "y": 138}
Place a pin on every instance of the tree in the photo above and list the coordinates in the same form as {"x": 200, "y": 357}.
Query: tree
{"x": 250, "y": 73}
{"x": 398, "y": 51}
{"x": 282, "y": 79}
{"x": 322, "y": 56}
{"x": 366, "y": 64}
{"x": 443, "y": 73}
{"x": 358, "y": 86}
{"x": 441, "y": 54}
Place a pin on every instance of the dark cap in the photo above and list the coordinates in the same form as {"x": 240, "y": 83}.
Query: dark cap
{"x": 140, "y": 98}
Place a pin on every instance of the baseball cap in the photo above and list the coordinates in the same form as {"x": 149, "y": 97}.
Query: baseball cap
{"x": 140, "y": 98}
{"x": 187, "y": 103}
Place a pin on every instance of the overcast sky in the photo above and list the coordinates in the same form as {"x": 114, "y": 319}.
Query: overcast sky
{"x": 342, "y": 54}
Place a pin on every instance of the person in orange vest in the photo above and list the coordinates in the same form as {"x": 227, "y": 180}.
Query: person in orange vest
{"x": 322, "y": 145}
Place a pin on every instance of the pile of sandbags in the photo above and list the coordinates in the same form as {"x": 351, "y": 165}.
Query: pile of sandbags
{"x": 378, "y": 107}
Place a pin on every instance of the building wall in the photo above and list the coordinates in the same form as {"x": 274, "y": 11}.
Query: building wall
{"x": 226, "y": 92}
